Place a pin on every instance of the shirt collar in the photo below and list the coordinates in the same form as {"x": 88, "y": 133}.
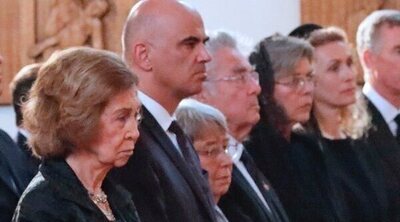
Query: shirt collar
{"x": 387, "y": 110}
{"x": 235, "y": 149}
{"x": 156, "y": 110}
{"x": 24, "y": 132}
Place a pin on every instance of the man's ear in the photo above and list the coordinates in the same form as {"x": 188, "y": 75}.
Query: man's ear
{"x": 141, "y": 56}
{"x": 369, "y": 59}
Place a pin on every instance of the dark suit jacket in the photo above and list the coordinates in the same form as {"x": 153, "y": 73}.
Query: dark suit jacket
{"x": 163, "y": 186}
{"x": 381, "y": 138}
{"x": 13, "y": 176}
{"x": 32, "y": 163}
{"x": 241, "y": 203}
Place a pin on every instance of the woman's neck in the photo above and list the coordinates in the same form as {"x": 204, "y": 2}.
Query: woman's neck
{"x": 89, "y": 172}
{"x": 329, "y": 120}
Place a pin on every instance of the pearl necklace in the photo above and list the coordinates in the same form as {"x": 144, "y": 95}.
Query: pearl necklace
{"x": 101, "y": 202}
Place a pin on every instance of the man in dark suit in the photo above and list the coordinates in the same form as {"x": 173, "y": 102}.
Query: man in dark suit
{"x": 164, "y": 44}
{"x": 378, "y": 46}
{"x": 232, "y": 87}
{"x": 20, "y": 86}
{"x": 13, "y": 176}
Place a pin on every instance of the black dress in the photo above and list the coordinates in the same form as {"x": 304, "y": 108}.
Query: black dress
{"x": 298, "y": 173}
{"x": 56, "y": 194}
{"x": 355, "y": 165}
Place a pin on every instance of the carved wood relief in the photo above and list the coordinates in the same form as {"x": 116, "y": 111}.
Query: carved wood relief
{"x": 30, "y": 30}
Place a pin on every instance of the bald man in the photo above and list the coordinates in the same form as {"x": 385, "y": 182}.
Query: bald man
{"x": 164, "y": 44}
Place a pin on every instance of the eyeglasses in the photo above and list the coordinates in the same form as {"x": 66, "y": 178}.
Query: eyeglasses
{"x": 297, "y": 83}
{"x": 213, "y": 152}
{"x": 241, "y": 78}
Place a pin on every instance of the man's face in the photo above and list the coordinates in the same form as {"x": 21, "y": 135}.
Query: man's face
{"x": 385, "y": 62}
{"x": 232, "y": 88}
{"x": 178, "y": 56}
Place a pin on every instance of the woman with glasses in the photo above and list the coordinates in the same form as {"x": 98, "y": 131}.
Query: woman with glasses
{"x": 207, "y": 128}
{"x": 292, "y": 162}
{"x": 339, "y": 120}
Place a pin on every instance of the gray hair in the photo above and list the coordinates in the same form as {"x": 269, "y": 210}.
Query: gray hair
{"x": 193, "y": 116}
{"x": 285, "y": 52}
{"x": 368, "y": 30}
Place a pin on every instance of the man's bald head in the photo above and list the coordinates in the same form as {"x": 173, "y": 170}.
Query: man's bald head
{"x": 146, "y": 20}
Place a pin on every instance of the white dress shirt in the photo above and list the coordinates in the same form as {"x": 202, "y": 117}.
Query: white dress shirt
{"x": 387, "y": 110}
{"x": 235, "y": 149}
{"x": 163, "y": 118}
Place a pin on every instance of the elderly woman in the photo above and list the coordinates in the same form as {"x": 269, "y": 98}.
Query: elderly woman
{"x": 82, "y": 115}
{"x": 339, "y": 120}
{"x": 207, "y": 128}
{"x": 292, "y": 162}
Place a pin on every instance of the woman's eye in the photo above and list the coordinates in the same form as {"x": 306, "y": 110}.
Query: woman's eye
{"x": 334, "y": 68}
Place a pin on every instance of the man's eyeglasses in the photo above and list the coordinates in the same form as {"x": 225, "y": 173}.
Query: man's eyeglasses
{"x": 297, "y": 83}
{"x": 241, "y": 78}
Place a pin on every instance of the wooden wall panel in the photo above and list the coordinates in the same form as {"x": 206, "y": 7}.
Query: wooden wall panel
{"x": 15, "y": 35}
{"x": 346, "y": 14}
{"x": 22, "y": 24}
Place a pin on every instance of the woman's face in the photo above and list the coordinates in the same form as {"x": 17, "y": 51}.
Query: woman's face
{"x": 335, "y": 78}
{"x": 211, "y": 145}
{"x": 294, "y": 92}
{"x": 118, "y": 132}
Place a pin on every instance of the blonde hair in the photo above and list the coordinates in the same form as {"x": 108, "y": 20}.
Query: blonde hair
{"x": 355, "y": 119}
{"x": 68, "y": 97}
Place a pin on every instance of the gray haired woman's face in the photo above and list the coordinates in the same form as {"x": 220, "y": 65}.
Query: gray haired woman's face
{"x": 294, "y": 92}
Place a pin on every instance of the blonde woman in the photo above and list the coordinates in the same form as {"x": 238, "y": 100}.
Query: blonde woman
{"x": 339, "y": 120}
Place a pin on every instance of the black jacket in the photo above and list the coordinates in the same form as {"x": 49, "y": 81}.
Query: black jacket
{"x": 298, "y": 173}
{"x": 385, "y": 144}
{"x": 241, "y": 203}
{"x": 56, "y": 194}
{"x": 13, "y": 176}
{"x": 163, "y": 186}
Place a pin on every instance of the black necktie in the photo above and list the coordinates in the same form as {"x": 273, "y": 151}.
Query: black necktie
{"x": 183, "y": 142}
{"x": 397, "y": 120}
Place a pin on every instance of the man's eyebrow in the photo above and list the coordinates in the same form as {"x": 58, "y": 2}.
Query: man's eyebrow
{"x": 190, "y": 39}
{"x": 194, "y": 39}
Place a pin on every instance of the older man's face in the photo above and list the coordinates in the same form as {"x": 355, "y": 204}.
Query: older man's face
{"x": 386, "y": 61}
{"x": 233, "y": 88}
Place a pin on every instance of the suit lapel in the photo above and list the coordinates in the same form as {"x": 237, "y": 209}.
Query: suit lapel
{"x": 266, "y": 190}
{"x": 385, "y": 143}
{"x": 195, "y": 180}
{"x": 248, "y": 190}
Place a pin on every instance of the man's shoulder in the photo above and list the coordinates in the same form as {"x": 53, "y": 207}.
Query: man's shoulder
{"x": 5, "y": 139}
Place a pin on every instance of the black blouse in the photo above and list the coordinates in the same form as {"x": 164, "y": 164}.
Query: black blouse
{"x": 56, "y": 194}
{"x": 298, "y": 173}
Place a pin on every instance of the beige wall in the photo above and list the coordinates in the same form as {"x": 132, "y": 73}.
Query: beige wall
{"x": 22, "y": 24}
